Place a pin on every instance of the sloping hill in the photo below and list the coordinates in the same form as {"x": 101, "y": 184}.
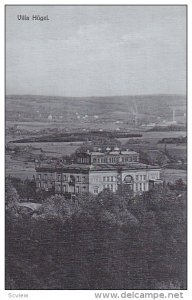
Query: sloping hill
{"x": 31, "y": 108}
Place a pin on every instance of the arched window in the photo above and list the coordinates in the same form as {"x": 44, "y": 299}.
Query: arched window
{"x": 128, "y": 179}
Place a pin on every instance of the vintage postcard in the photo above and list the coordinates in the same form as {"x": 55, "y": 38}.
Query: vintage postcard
{"x": 96, "y": 148}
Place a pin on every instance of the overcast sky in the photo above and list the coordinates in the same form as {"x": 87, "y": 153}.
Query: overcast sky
{"x": 95, "y": 51}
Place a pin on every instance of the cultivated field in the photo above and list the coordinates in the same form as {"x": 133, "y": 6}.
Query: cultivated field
{"x": 171, "y": 175}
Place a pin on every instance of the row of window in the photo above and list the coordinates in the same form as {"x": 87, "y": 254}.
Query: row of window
{"x": 109, "y": 186}
{"x": 109, "y": 178}
{"x": 96, "y": 179}
{"x": 154, "y": 176}
{"x": 140, "y": 187}
{"x": 42, "y": 185}
{"x": 114, "y": 178}
{"x": 82, "y": 178}
{"x": 45, "y": 176}
{"x": 105, "y": 186}
{"x": 83, "y": 160}
{"x": 116, "y": 159}
{"x": 140, "y": 177}
{"x": 77, "y": 178}
{"x": 63, "y": 188}
{"x": 59, "y": 177}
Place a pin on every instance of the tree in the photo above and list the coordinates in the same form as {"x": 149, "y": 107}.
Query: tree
{"x": 180, "y": 185}
{"x": 58, "y": 207}
{"x": 11, "y": 196}
{"x": 100, "y": 242}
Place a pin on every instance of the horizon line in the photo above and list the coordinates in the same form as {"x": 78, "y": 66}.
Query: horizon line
{"x": 101, "y": 96}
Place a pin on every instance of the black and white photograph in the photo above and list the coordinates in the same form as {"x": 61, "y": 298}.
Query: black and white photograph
{"x": 96, "y": 147}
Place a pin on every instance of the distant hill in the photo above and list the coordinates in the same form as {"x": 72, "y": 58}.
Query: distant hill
{"x": 38, "y": 108}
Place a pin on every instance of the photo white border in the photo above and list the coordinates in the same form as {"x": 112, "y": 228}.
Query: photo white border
{"x": 79, "y": 294}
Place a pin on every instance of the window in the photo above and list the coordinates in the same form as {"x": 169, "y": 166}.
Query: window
{"x": 111, "y": 178}
{"x": 137, "y": 177}
{"x": 144, "y": 177}
{"x": 45, "y": 176}
{"x": 77, "y": 178}
{"x": 59, "y": 177}
{"x": 94, "y": 160}
{"x": 59, "y": 187}
{"x": 144, "y": 186}
{"x": 140, "y": 185}
{"x": 39, "y": 184}
{"x": 39, "y": 176}
{"x": 77, "y": 189}
{"x": 111, "y": 187}
{"x": 95, "y": 190}
{"x": 128, "y": 179}
{"x": 64, "y": 177}
{"x": 104, "y": 178}
{"x": 136, "y": 187}
{"x": 107, "y": 178}
{"x": 64, "y": 189}
{"x": 140, "y": 177}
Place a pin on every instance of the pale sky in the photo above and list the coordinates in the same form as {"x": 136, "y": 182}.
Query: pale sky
{"x": 96, "y": 51}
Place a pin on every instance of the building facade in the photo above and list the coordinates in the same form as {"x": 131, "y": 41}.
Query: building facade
{"x": 115, "y": 156}
{"x": 92, "y": 172}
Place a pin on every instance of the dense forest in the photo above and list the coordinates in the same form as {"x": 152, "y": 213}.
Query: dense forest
{"x": 97, "y": 242}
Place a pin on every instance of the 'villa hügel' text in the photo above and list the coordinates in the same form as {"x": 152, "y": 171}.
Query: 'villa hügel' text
{"x": 33, "y": 18}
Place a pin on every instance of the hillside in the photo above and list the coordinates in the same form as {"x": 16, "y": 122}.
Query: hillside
{"x": 38, "y": 108}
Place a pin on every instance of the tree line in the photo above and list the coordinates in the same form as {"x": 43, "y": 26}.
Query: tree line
{"x": 97, "y": 242}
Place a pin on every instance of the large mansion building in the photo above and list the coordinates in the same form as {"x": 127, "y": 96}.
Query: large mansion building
{"x": 92, "y": 172}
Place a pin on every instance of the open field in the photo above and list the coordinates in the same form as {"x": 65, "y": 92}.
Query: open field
{"x": 171, "y": 175}
{"x": 154, "y": 137}
{"x": 22, "y": 168}
{"x": 55, "y": 149}
{"x": 18, "y": 168}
